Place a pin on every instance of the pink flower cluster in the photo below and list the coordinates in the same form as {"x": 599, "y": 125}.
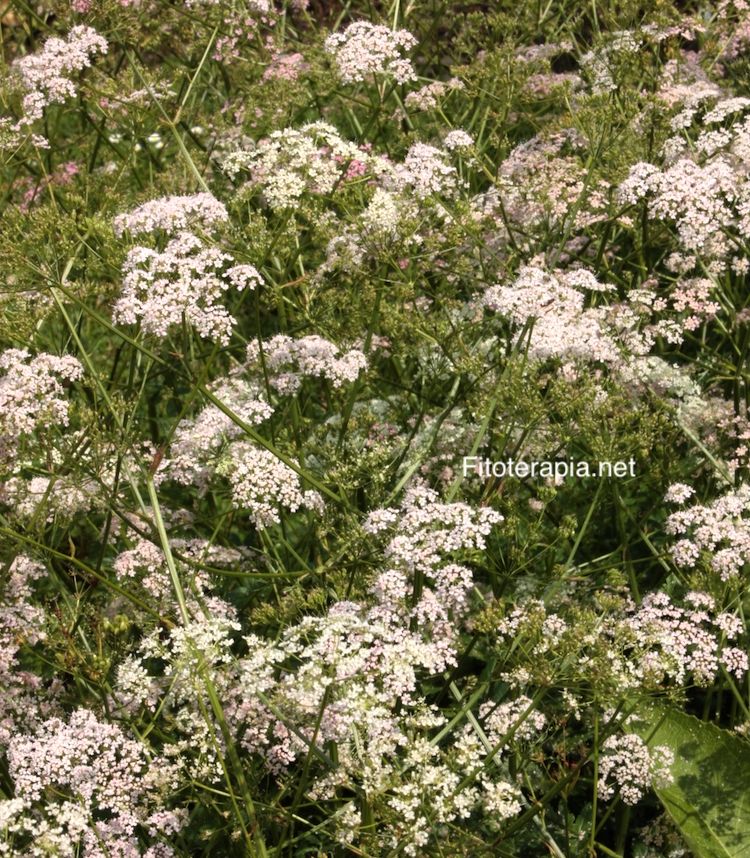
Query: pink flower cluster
{"x": 540, "y": 182}
{"x": 31, "y": 393}
{"x": 697, "y": 199}
{"x": 211, "y": 442}
{"x": 34, "y": 188}
{"x": 426, "y": 171}
{"x": 84, "y": 785}
{"x": 285, "y": 67}
{"x": 428, "y": 96}
{"x": 61, "y": 496}
{"x": 145, "y": 564}
{"x": 198, "y": 441}
{"x": 718, "y": 532}
{"x": 21, "y": 624}
{"x": 681, "y": 642}
{"x": 240, "y": 25}
{"x": 629, "y": 766}
{"x": 45, "y": 74}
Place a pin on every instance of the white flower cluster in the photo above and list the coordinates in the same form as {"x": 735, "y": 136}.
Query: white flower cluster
{"x": 652, "y": 645}
{"x": 349, "y": 678}
{"x": 172, "y": 214}
{"x": 262, "y": 483}
{"x": 562, "y": 326}
{"x": 678, "y": 493}
{"x": 685, "y": 83}
{"x": 188, "y": 278}
{"x": 289, "y": 360}
{"x": 365, "y": 49}
{"x": 144, "y": 560}
{"x": 457, "y": 139}
{"x": 505, "y": 725}
{"x": 682, "y": 642}
{"x": 185, "y": 281}
{"x": 602, "y": 63}
{"x": 382, "y": 217}
{"x": 211, "y": 442}
{"x": 292, "y": 162}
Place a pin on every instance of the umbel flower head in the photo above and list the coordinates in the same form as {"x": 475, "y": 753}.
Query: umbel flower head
{"x": 290, "y": 163}
{"x": 289, "y": 360}
{"x": 45, "y": 74}
{"x": 172, "y": 215}
{"x": 185, "y": 280}
{"x": 366, "y": 49}
{"x": 86, "y": 783}
{"x": 31, "y": 393}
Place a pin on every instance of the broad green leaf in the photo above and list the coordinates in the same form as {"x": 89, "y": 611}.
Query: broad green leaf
{"x": 710, "y": 798}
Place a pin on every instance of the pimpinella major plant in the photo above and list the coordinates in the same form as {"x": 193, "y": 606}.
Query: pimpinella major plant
{"x": 273, "y": 274}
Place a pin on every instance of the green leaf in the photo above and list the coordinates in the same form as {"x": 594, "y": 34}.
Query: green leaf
{"x": 710, "y": 798}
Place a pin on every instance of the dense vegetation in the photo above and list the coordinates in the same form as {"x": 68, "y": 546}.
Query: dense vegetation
{"x": 279, "y": 282}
